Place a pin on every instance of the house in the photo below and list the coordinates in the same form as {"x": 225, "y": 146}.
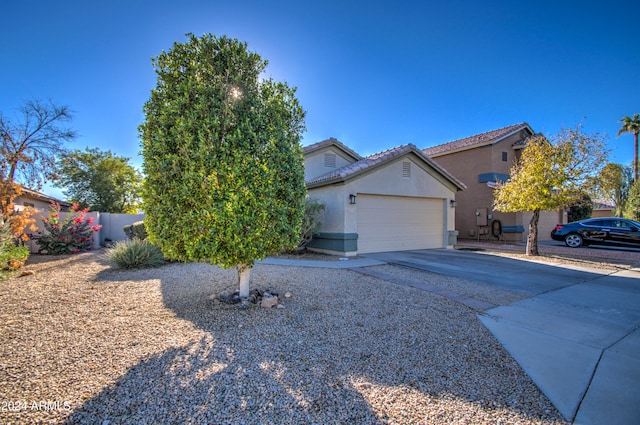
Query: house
{"x": 38, "y": 201}
{"x": 399, "y": 199}
{"x": 480, "y": 162}
{"x": 603, "y": 208}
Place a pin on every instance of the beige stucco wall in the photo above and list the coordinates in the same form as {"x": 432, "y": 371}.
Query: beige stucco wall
{"x": 467, "y": 166}
{"x": 40, "y": 206}
{"x": 546, "y": 223}
{"x": 602, "y": 213}
{"x": 335, "y": 199}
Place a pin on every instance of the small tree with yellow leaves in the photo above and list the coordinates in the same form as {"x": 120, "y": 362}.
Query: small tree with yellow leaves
{"x": 549, "y": 175}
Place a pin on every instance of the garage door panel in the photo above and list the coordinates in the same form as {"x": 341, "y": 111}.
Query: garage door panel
{"x": 394, "y": 223}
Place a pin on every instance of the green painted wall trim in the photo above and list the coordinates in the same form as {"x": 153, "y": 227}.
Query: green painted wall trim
{"x": 512, "y": 229}
{"x": 342, "y": 242}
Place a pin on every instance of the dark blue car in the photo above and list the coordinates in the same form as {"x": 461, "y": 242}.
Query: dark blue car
{"x": 599, "y": 231}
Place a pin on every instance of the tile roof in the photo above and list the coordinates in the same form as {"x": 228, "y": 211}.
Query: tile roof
{"x": 39, "y": 195}
{"x": 331, "y": 142}
{"x": 372, "y": 161}
{"x": 481, "y": 139}
{"x": 603, "y": 204}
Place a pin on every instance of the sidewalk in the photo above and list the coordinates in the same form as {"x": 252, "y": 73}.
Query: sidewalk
{"x": 580, "y": 345}
{"x": 341, "y": 263}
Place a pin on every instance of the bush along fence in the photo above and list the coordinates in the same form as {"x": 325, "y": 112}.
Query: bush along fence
{"x": 109, "y": 226}
{"x": 68, "y": 233}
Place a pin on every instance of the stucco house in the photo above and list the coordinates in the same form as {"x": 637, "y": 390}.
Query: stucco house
{"x": 399, "y": 199}
{"x": 603, "y": 208}
{"x": 480, "y": 161}
{"x": 39, "y": 201}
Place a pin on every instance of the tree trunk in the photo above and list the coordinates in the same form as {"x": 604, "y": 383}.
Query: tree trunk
{"x": 532, "y": 239}
{"x": 635, "y": 157}
{"x": 243, "y": 280}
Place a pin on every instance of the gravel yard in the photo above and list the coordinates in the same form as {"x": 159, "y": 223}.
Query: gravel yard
{"x": 83, "y": 343}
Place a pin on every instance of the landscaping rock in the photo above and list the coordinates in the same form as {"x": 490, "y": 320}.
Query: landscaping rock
{"x": 263, "y": 297}
{"x": 269, "y": 301}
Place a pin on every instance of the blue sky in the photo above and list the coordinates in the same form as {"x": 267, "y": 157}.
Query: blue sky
{"x": 374, "y": 74}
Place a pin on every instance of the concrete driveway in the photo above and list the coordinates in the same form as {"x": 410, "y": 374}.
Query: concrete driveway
{"x": 577, "y": 336}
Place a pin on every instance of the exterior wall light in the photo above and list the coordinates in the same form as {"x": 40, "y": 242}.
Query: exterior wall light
{"x": 352, "y": 199}
{"x": 452, "y": 203}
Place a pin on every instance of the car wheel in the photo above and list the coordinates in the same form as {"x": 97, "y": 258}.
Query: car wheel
{"x": 573, "y": 240}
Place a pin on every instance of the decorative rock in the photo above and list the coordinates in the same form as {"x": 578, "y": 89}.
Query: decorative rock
{"x": 268, "y": 301}
{"x": 244, "y": 304}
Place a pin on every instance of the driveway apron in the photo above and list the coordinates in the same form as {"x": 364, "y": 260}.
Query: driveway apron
{"x": 577, "y": 337}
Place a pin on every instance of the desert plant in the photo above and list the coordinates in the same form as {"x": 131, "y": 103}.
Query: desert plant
{"x": 68, "y": 236}
{"x": 135, "y": 230}
{"x": 135, "y": 253}
{"x": 313, "y": 210}
{"x": 12, "y": 255}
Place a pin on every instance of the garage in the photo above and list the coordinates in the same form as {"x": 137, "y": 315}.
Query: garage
{"x": 399, "y": 223}
{"x": 395, "y": 200}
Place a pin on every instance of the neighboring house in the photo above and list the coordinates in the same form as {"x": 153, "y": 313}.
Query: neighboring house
{"x": 480, "y": 162}
{"x": 395, "y": 200}
{"x": 603, "y": 208}
{"x": 39, "y": 201}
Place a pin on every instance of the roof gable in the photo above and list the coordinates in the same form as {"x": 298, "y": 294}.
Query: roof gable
{"x": 379, "y": 159}
{"x": 483, "y": 139}
{"x": 33, "y": 194}
{"x": 331, "y": 142}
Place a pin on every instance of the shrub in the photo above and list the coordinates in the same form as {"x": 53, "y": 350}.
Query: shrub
{"x": 69, "y": 236}
{"x": 581, "y": 209}
{"x": 134, "y": 254}
{"x": 12, "y": 256}
{"x": 135, "y": 230}
{"x": 313, "y": 210}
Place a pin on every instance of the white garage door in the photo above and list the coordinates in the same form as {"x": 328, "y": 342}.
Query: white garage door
{"x": 396, "y": 223}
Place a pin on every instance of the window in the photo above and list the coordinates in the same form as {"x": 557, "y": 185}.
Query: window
{"x": 29, "y": 204}
{"x": 330, "y": 160}
{"x": 622, "y": 224}
{"x": 505, "y": 157}
{"x": 406, "y": 169}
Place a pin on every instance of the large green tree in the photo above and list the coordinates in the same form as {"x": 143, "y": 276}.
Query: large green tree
{"x": 99, "y": 180}
{"x": 549, "y": 175}
{"x": 222, "y": 157}
{"x": 632, "y": 209}
{"x": 632, "y": 125}
{"x": 613, "y": 182}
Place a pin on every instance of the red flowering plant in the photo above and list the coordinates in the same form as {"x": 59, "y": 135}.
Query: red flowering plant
{"x": 68, "y": 236}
